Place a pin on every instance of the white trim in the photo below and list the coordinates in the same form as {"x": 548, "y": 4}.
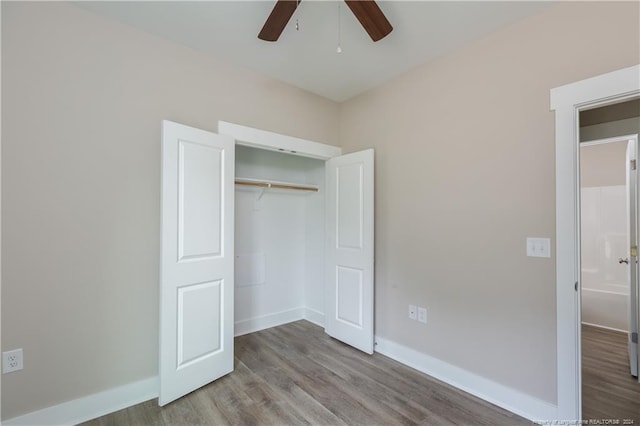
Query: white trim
{"x": 251, "y": 325}
{"x": 313, "y": 316}
{"x": 263, "y": 139}
{"x": 503, "y": 396}
{"x": 91, "y": 406}
{"x": 625, "y": 138}
{"x": 601, "y": 89}
{"x": 567, "y": 101}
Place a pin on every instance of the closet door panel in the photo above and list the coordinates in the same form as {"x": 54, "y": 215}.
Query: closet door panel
{"x": 196, "y": 274}
{"x": 350, "y": 220}
{"x": 349, "y": 301}
{"x": 199, "y": 218}
{"x": 349, "y": 293}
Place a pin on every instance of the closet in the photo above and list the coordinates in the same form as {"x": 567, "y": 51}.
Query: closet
{"x": 279, "y": 239}
{"x": 258, "y": 229}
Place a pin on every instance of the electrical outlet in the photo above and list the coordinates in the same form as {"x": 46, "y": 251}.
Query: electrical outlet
{"x": 412, "y": 312}
{"x": 422, "y": 315}
{"x": 12, "y": 361}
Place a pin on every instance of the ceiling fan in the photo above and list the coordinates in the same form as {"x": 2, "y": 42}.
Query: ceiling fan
{"x": 367, "y": 11}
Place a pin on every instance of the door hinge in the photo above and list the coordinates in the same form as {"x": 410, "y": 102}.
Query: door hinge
{"x": 633, "y": 164}
{"x": 634, "y": 251}
{"x": 575, "y": 286}
{"x": 634, "y": 337}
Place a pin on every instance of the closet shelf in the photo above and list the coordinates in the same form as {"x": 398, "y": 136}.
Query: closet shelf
{"x": 266, "y": 184}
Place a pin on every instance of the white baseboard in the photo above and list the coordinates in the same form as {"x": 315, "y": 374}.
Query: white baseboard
{"x": 510, "y": 399}
{"x": 91, "y": 406}
{"x": 109, "y": 401}
{"x": 254, "y": 324}
{"x": 314, "y": 316}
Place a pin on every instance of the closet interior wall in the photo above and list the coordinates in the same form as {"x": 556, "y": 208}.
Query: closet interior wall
{"x": 279, "y": 241}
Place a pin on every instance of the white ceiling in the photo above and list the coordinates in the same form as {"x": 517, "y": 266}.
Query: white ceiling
{"x": 307, "y": 58}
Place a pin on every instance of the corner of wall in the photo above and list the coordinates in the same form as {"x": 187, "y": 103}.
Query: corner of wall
{"x": 508, "y": 398}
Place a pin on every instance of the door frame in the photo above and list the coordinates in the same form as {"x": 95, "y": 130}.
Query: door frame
{"x": 262, "y": 139}
{"x": 567, "y": 101}
{"x": 271, "y": 141}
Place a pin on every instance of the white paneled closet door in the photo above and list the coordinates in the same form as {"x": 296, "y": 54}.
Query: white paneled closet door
{"x": 350, "y": 291}
{"x": 197, "y": 254}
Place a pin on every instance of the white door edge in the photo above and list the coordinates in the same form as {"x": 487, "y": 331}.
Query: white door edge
{"x": 350, "y": 292}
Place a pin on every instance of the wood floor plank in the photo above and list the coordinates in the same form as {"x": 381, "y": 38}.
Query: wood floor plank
{"x": 386, "y": 396}
{"x": 296, "y": 374}
{"x": 609, "y": 392}
{"x": 312, "y": 410}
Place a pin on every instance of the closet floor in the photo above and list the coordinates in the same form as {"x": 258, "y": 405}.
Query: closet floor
{"x": 608, "y": 389}
{"x": 295, "y": 374}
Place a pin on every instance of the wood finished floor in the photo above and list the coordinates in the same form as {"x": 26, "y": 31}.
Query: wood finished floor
{"x": 608, "y": 389}
{"x": 296, "y": 375}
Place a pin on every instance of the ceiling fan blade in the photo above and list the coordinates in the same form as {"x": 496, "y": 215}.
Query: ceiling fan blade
{"x": 371, "y": 17}
{"x": 277, "y": 20}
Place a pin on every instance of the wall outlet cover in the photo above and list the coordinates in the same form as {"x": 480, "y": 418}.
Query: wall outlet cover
{"x": 422, "y": 315}
{"x": 12, "y": 361}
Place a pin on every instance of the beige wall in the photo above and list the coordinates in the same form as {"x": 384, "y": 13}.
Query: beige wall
{"x": 465, "y": 161}
{"x": 83, "y": 98}
{"x": 603, "y": 165}
{"x": 465, "y": 172}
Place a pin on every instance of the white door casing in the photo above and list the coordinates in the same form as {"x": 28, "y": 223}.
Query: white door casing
{"x": 567, "y": 101}
{"x": 632, "y": 239}
{"x": 350, "y": 255}
{"x": 196, "y": 276}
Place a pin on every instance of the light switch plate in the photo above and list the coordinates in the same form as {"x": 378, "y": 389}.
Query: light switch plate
{"x": 538, "y": 247}
{"x": 412, "y": 312}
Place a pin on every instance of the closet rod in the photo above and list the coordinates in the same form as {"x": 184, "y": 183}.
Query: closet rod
{"x": 277, "y": 185}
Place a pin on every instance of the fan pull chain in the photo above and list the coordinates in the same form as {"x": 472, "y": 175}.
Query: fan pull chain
{"x": 339, "y": 48}
{"x": 297, "y": 24}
